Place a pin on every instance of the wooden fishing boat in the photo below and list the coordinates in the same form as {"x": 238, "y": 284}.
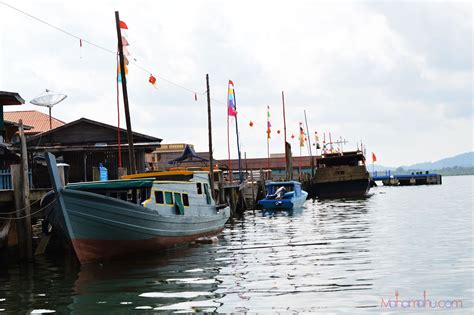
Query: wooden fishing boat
{"x": 340, "y": 175}
{"x": 145, "y": 212}
{"x": 283, "y": 196}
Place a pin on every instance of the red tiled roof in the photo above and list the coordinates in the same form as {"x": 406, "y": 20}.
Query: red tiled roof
{"x": 39, "y": 121}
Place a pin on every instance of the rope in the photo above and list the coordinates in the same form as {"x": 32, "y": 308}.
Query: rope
{"x": 31, "y": 214}
{"x": 12, "y": 212}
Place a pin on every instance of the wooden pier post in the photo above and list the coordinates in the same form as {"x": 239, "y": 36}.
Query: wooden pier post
{"x": 22, "y": 199}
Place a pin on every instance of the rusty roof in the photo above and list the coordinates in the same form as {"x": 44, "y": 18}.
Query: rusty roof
{"x": 38, "y": 120}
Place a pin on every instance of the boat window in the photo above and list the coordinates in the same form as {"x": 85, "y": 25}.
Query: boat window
{"x": 199, "y": 188}
{"x": 185, "y": 200}
{"x": 178, "y": 203}
{"x": 169, "y": 198}
{"x": 208, "y": 196}
{"x": 159, "y": 197}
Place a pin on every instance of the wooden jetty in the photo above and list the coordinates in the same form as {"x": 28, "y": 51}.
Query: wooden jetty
{"x": 415, "y": 178}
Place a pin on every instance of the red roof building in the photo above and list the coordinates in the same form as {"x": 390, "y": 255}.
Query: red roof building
{"x": 38, "y": 120}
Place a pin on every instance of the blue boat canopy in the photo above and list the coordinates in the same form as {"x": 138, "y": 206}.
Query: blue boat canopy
{"x": 289, "y": 183}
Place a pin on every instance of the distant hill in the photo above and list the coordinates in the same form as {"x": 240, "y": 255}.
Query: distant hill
{"x": 461, "y": 164}
{"x": 461, "y": 160}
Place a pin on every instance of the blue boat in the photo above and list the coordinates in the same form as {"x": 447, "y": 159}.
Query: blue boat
{"x": 283, "y": 196}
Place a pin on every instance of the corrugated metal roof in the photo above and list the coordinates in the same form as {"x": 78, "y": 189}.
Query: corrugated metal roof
{"x": 38, "y": 120}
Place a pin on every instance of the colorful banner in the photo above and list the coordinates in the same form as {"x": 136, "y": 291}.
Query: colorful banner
{"x": 123, "y": 29}
{"x": 302, "y": 136}
{"x": 269, "y": 124}
{"x": 231, "y": 106}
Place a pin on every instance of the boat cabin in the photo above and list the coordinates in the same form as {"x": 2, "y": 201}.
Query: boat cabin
{"x": 168, "y": 193}
{"x": 351, "y": 158}
{"x": 274, "y": 188}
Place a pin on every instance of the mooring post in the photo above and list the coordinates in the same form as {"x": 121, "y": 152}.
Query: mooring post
{"x": 25, "y": 182}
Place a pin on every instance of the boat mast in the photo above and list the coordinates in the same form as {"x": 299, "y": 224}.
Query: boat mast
{"x": 268, "y": 137}
{"x": 209, "y": 127}
{"x": 238, "y": 142}
{"x": 131, "y": 152}
{"x": 309, "y": 144}
{"x": 284, "y": 130}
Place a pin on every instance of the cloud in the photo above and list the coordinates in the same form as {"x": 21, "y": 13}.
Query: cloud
{"x": 396, "y": 75}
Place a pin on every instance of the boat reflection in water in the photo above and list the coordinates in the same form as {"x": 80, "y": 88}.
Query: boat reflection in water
{"x": 180, "y": 279}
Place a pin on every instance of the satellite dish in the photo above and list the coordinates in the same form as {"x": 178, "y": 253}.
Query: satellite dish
{"x": 49, "y": 99}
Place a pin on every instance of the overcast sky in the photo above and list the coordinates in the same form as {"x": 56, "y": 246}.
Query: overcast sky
{"x": 396, "y": 75}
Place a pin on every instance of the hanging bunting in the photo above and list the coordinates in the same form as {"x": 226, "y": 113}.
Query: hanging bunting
{"x": 126, "y": 69}
{"x": 125, "y": 51}
{"x": 316, "y": 140}
{"x": 152, "y": 80}
{"x": 302, "y": 137}
{"x": 124, "y": 41}
{"x": 123, "y": 25}
{"x": 124, "y": 28}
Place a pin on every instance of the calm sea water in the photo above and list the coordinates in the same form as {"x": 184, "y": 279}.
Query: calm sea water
{"x": 332, "y": 257}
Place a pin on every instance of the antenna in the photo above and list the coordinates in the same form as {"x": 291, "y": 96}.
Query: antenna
{"x": 49, "y": 99}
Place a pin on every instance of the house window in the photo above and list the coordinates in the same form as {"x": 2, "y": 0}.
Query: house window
{"x": 185, "y": 200}
{"x": 169, "y": 198}
{"x": 199, "y": 188}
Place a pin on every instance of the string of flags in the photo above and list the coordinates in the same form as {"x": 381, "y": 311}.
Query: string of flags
{"x": 152, "y": 79}
{"x": 302, "y": 135}
{"x": 123, "y": 26}
{"x": 126, "y": 53}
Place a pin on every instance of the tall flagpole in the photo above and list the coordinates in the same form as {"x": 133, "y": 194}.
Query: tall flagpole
{"x": 268, "y": 137}
{"x": 238, "y": 142}
{"x": 131, "y": 152}
{"x": 229, "y": 168}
